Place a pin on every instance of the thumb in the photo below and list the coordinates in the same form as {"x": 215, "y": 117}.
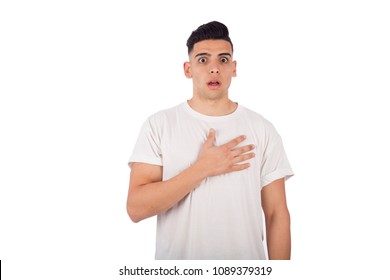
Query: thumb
{"x": 210, "y": 138}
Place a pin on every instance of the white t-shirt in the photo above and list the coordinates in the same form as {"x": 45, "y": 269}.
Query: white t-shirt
{"x": 222, "y": 218}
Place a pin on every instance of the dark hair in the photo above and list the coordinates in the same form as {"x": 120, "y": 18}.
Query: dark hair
{"x": 210, "y": 31}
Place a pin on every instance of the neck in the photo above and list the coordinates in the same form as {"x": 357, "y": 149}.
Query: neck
{"x": 218, "y": 107}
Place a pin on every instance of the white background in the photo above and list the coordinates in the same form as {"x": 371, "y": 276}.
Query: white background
{"x": 78, "y": 78}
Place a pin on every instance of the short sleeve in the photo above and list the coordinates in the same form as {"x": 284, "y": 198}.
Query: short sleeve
{"x": 147, "y": 148}
{"x": 275, "y": 164}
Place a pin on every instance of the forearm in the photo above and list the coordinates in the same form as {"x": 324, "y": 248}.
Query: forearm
{"x": 149, "y": 195}
{"x": 154, "y": 198}
{"x": 278, "y": 236}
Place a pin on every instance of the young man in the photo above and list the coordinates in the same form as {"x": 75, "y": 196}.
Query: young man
{"x": 208, "y": 167}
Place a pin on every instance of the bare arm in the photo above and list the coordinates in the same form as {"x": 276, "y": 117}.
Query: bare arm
{"x": 149, "y": 195}
{"x": 277, "y": 219}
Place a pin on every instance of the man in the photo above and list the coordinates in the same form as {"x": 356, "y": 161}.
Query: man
{"x": 209, "y": 165}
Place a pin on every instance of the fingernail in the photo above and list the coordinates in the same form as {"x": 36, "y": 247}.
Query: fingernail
{"x": 212, "y": 130}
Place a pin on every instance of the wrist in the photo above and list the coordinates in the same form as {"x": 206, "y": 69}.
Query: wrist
{"x": 199, "y": 171}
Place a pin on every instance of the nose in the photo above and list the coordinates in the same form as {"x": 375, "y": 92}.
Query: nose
{"x": 214, "y": 69}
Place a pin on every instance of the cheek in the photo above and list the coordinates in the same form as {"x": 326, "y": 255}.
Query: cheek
{"x": 197, "y": 76}
{"x": 197, "y": 81}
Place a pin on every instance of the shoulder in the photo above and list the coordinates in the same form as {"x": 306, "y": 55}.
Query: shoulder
{"x": 164, "y": 115}
{"x": 258, "y": 120}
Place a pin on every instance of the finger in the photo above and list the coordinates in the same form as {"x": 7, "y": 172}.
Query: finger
{"x": 210, "y": 138}
{"x": 239, "y": 167}
{"x": 231, "y": 144}
{"x": 243, "y": 157}
{"x": 242, "y": 150}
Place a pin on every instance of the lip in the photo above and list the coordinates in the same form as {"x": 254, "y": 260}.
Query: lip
{"x": 213, "y": 84}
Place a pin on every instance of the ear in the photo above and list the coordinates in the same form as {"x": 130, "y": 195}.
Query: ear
{"x": 235, "y": 69}
{"x": 187, "y": 69}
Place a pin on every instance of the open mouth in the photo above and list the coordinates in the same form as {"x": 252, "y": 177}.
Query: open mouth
{"x": 213, "y": 84}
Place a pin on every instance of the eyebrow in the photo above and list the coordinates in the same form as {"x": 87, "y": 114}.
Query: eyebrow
{"x": 207, "y": 54}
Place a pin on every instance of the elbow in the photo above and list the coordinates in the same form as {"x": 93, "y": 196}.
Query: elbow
{"x": 132, "y": 210}
{"x": 135, "y": 219}
{"x": 133, "y": 214}
{"x": 137, "y": 211}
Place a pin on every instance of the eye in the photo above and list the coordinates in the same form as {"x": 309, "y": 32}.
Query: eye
{"x": 202, "y": 60}
{"x": 224, "y": 59}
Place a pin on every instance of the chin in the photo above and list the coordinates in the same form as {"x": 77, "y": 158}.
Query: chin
{"x": 214, "y": 95}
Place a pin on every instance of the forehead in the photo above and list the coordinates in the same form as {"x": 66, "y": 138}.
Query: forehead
{"x": 212, "y": 47}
